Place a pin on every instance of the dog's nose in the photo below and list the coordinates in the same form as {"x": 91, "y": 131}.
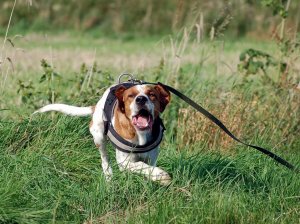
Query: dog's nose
{"x": 141, "y": 100}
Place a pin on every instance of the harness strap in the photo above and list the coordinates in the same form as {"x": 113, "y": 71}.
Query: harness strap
{"x": 223, "y": 127}
{"x": 128, "y": 147}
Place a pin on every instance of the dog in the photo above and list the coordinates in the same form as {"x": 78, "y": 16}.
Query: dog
{"x": 133, "y": 117}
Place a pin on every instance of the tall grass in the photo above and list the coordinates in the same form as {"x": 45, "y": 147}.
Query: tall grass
{"x": 51, "y": 173}
{"x": 4, "y": 59}
{"x": 141, "y": 17}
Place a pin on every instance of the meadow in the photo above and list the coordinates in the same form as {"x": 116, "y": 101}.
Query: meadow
{"x": 50, "y": 168}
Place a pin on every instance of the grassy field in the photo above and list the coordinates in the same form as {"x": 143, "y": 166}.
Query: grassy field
{"x": 50, "y": 168}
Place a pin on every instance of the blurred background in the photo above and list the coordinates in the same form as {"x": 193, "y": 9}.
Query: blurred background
{"x": 237, "y": 18}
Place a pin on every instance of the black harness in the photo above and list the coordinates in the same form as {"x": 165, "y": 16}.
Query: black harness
{"x": 119, "y": 142}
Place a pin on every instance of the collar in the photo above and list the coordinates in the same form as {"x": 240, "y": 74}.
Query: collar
{"x": 119, "y": 142}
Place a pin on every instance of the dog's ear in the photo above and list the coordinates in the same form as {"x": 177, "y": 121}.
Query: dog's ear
{"x": 164, "y": 97}
{"x": 119, "y": 93}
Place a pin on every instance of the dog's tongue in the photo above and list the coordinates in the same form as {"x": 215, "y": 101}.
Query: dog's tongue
{"x": 140, "y": 121}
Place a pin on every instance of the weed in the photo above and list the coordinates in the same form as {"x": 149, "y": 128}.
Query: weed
{"x": 89, "y": 82}
{"x": 26, "y": 92}
{"x": 50, "y": 78}
{"x": 253, "y": 61}
{"x": 221, "y": 23}
{"x": 277, "y": 7}
{"x": 33, "y": 94}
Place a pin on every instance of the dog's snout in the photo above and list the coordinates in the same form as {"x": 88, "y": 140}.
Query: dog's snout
{"x": 141, "y": 100}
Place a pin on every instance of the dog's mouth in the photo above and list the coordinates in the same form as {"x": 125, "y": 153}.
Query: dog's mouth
{"x": 143, "y": 120}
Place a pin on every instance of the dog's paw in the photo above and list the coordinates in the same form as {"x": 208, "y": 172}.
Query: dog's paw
{"x": 160, "y": 176}
{"x": 108, "y": 174}
{"x": 165, "y": 180}
{"x": 108, "y": 178}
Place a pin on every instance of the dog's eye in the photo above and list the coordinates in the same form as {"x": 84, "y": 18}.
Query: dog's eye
{"x": 130, "y": 96}
{"x": 152, "y": 95}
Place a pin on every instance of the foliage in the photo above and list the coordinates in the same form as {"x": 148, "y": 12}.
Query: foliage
{"x": 221, "y": 23}
{"x": 142, "y": 17}
{"x": 85, "y": 83}
{"x": 253, "y": 61}
{"x": 49, "y": 78}
{"x": 33, "y": 94}
{"x": 89, "y": 82}
{"x": 278, "y": 7}
{"x": 26, "y": 91}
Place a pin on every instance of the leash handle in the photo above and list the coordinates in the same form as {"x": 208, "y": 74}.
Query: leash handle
{"x": 224, "y": 128}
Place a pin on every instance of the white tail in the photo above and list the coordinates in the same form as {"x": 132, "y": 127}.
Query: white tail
{"x": 66, "y": 109}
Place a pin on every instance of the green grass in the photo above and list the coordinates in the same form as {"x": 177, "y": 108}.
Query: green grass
{"x": 50, "y": 170}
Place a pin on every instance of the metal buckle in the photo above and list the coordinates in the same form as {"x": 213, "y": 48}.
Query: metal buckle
{"x": 132, "y": 79}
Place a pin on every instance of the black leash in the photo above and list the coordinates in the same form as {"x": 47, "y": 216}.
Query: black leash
{"x": 220, "y": 124}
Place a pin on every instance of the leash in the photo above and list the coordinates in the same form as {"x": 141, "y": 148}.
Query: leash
{"x": 225, "y": 129}
{"x": 216, "y": 121}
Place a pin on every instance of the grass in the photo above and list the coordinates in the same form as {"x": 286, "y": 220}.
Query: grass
{"x": 51, "y": 172}
{"x": 50, "y": 168}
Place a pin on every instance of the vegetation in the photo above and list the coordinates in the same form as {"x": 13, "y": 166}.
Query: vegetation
{"x": 50, "y": 168}
{"x": 243, "y": 17}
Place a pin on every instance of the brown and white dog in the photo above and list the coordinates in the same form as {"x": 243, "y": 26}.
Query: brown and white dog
{"x": 133, "y": 119}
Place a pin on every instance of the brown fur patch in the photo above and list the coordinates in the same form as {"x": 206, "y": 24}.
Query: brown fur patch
{"x": 122, "y": 112}
{"x": 164, "y": 97}
{"x": 93, "y": 110}
{"x": 123, "y": 125}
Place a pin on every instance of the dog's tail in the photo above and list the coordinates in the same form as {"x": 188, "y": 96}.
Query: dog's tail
{"x": 67, "y": 109}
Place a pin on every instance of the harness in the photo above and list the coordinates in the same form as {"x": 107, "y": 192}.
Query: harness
{"x": 119, "y": 142}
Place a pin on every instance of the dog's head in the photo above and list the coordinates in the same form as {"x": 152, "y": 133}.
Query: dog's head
{"x": 142, "y": 104}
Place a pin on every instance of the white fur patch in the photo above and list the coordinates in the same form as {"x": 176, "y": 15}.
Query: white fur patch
{"x": 66, "y": 109}
{"x": 144, "y": 136}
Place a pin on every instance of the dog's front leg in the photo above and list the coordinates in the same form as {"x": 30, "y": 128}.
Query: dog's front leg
{"x": 151, "y": 172}
{"x": 97, "y": 130}
{"x": 126, "y": 162}
{"x": 107, "y": 170}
